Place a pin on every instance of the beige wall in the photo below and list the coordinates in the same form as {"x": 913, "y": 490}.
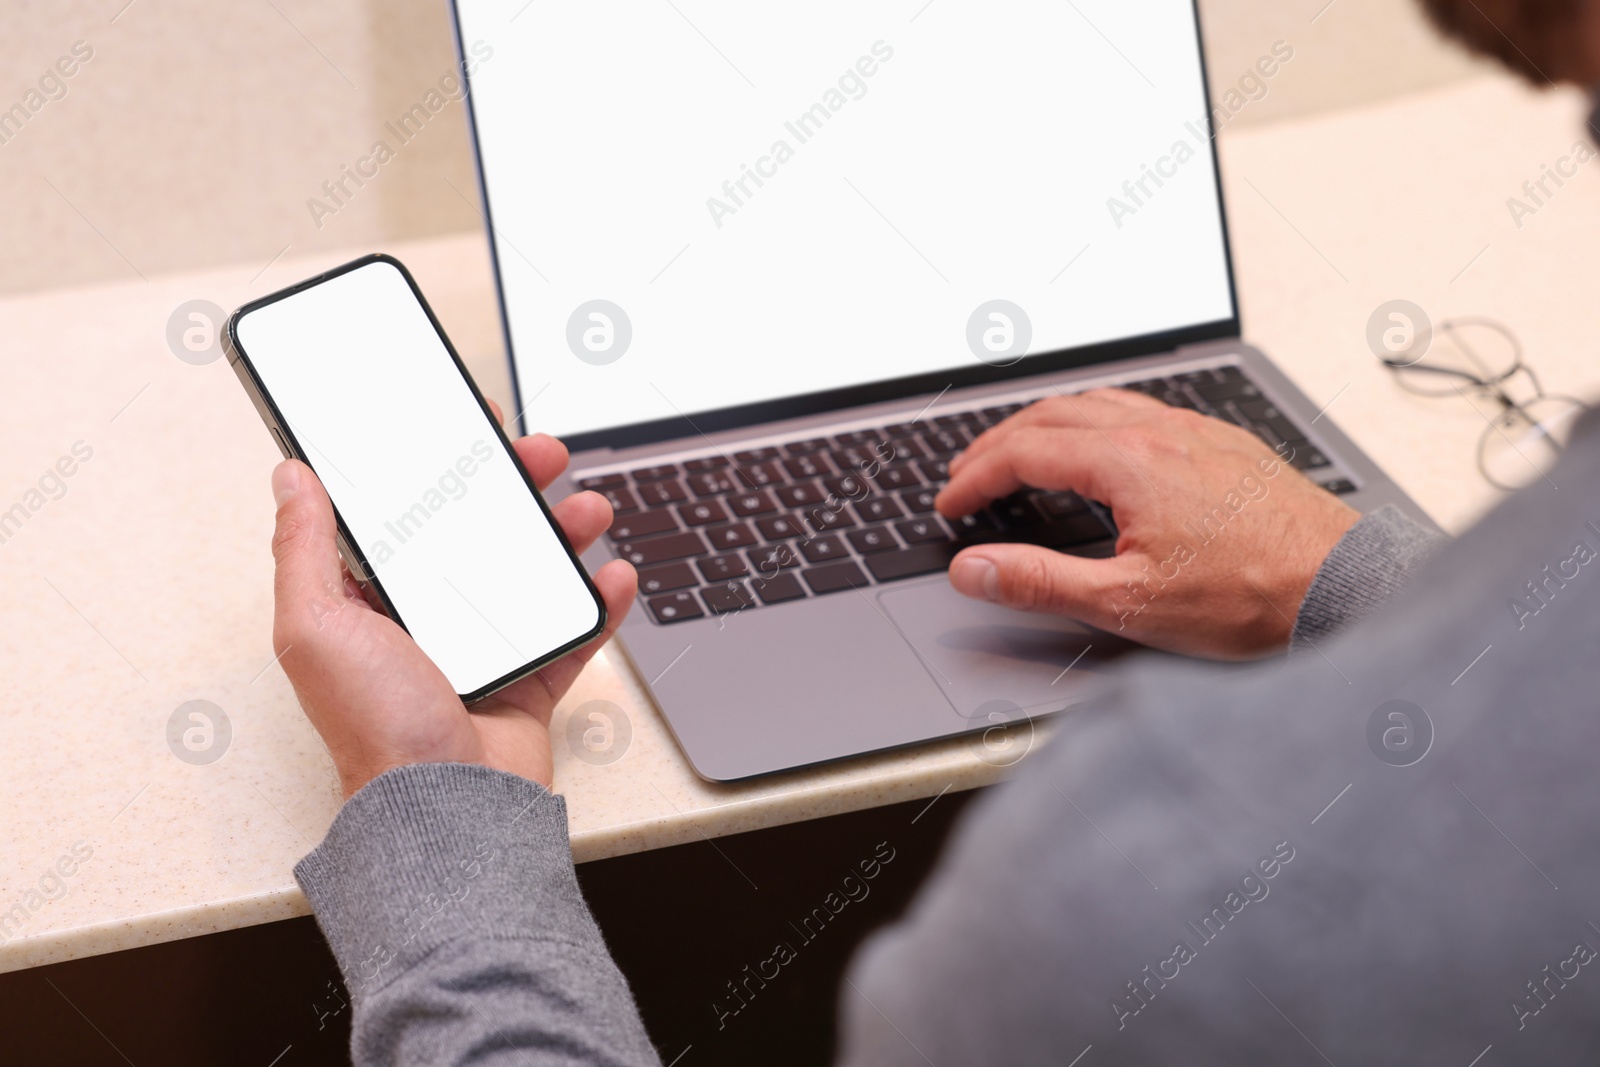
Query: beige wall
{"x": 1346, "y": 52}
{"x": 198, "y": 130}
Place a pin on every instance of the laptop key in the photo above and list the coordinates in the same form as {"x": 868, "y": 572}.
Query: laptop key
{"x": 644, "y": 524}
{"x": 1340, "y": 486}
{"x": 668, "y": 491}
{"x": 712, "y": 483}
{"x": 798, "y": 496}
{"x": 755, "y": 455}
{"x": 975, "y": 527}
{"x": 746, "y": 504}
{"x": 705, "y": 463}
{"x": 1182, "y": 399}
{"x": 734, "y": 535}
{"x": 873, "y": 539}
{"x": 1081, "y": 529}
{"x": 780, "y": 527}
{"x": 810, "y": 465}
{"x": 904, "y": 448}
{"x": 600, "y": 481}
{"x": 944, "y": 442}
{"x": 834, "y": 578}
{"x": 824, "y": 519}
{"x": 857, "y": 437}
{"x": 760, "y": 474}
{"x": 848, "y": 486}
{"x": 1218, "y": 392}
{"x": 773, "y": 558}
{"x": 676, "y": 607}
{"x": 856, "y": 458}
{"x": 937, "y": 470}
{"x": 1261, "y": 410}
{"x": 702, "y": 513}
{"x": 812, "y": 444}
{"x": 1001, "y": 413}
{"x": 1306, "y": 456}
{"x": 721, "y": 568}
{"x": 879, "y": 508}
{"x": 899, "y": 477}
{"x": 727, "y": 598}
{"x": 662, "y": 549}
{"x": 919, "y": 501}
{"x": 1268, "y": 432}
{"x": 667, "y": 577}
{"x": 621, "y": 498}
{"x": 1230, "y": 411}
{"x": 922, "y": 531}
{"x": 778, "y": 588}
{"x": 655, "y": 474}
{"x": 823, "y": 549}
{"x": 1016, "y": 512}
{"x": 910, "y": 562}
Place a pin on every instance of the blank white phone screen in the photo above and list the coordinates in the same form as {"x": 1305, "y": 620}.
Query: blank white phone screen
{"x": 451, "y": 531}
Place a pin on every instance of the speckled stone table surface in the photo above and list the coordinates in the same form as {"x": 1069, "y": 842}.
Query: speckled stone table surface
{"x": 141, "y": 581}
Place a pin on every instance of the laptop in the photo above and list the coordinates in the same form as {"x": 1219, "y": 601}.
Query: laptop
{"x": 767, "y": 267}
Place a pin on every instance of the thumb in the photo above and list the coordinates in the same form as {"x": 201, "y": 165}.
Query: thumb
{"x": 1030, "y": 578}
{"x": 309, "y": 580}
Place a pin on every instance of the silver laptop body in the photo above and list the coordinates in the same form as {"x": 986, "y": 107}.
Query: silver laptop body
{"x": 772, "y": 413}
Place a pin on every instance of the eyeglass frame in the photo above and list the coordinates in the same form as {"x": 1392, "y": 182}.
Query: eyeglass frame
{"x": 1488, "y": 386}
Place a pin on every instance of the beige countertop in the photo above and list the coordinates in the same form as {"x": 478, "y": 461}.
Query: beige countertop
{"x": 143, "y": 581}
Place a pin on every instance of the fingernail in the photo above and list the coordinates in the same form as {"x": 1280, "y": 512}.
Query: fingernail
{"x": 285, "y": 481}
{"x": 976, "y": 577}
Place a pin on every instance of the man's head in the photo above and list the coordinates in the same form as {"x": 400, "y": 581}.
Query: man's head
{"x": 1545, "y": 41}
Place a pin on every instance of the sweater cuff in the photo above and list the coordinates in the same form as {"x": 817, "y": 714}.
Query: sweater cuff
{"x": 1371, "y": 563}
{"x": 436, "y": 852}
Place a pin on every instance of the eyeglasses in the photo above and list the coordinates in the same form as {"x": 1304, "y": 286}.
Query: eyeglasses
{"x": 1479, "y": 357}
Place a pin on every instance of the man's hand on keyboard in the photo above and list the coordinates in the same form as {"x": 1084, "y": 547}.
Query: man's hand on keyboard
{"x": 377, "y": 700}
{"x": 1219, "y": 537}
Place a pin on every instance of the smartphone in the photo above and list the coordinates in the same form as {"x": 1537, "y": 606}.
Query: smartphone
{"x": 352, "y": 374}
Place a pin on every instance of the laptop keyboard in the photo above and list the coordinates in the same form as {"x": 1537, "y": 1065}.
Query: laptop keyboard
{"x": 722, "y": 533}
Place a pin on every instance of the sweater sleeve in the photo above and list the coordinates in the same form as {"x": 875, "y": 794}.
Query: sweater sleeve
{"x": 448, "y": 895}
{"x": 1371, "y": 563}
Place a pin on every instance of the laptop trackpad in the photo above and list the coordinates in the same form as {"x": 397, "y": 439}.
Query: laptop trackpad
{"x": 981, "y": 654}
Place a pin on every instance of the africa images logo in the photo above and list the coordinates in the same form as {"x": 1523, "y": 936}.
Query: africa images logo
{"x": 1251, "y": 86}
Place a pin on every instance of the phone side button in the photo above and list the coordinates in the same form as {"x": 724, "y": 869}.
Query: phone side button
{"x": 349, "y": 558}
{"x": 283, "y": 446}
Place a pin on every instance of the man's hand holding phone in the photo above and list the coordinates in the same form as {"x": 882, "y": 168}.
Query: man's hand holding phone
{"x": 376, "y": 699}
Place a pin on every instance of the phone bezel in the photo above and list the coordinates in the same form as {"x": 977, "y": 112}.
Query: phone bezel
{"x": 276, "y": 425}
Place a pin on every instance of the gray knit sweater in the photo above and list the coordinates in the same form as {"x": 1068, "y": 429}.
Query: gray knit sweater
{"x": 1351, "y": 856}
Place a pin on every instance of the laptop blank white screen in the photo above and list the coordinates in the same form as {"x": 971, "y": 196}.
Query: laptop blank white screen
{"x": 911, "y": 162}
